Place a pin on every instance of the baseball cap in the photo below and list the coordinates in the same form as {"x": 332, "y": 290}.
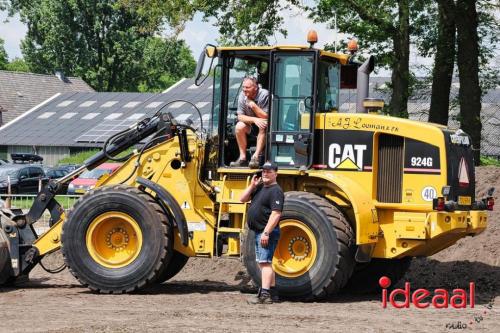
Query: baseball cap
{"x": 270, "y": 166}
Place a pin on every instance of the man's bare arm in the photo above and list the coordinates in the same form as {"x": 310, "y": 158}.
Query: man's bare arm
{"x": 247, "y": 193}
{"x": 258, "y": 111}
{"x": 246, "y": 119}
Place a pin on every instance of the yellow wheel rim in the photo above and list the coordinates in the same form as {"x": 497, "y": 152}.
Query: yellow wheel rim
{"x": 297, "y": 249}
{"x": 114, "y": 239}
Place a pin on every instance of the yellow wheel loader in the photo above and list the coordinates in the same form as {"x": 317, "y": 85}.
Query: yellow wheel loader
{"x": 364, "y": 192}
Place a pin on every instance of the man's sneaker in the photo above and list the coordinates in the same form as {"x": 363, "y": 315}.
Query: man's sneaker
{"x": 239, "y": 163}
{"x": 262, "y": 297}
{"x": 254, "y": 163}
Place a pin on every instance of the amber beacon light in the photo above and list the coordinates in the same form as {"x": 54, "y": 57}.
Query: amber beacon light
{"x": 312, "y": 37}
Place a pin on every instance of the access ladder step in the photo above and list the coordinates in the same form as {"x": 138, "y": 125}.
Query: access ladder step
{"x": 230, "y": 230}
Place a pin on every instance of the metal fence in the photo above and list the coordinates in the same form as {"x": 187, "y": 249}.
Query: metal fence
{"x": 25, "y": 201}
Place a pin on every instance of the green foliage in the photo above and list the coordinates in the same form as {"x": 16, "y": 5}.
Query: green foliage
{"x": 247, "y": 22}
{"x": 17, "y": 65}
{"x": 426, "y": 36}
{"x": 488, "y": 160}
{"x": 80, "y": 157}
{"x": 104, "y": 42}
{"x": 165, "y": 61}
{"x": 3, "y": 55}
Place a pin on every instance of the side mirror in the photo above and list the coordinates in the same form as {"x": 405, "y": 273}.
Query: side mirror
{"x": 208, "y": 51}
{"x": 21, "y": 177}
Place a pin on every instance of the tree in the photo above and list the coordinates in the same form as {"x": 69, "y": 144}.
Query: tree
{"x": 468, "y": 30}
{"x": 468, "y": 68}
{"x": 3, "y": 55}
{"x": 443, "y": 63}
{"x": 101, "y": 41}
{"x": 165, "y": 61}
{"x": 17, "y": 65}
{"x": 383, "y": 29}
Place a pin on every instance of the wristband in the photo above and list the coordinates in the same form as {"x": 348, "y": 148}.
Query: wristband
{"x": 266, "y": 233}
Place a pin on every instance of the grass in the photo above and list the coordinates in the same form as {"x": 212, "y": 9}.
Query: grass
{"x": 79, "y": 158}
{"x": 487, "y": 160}
{"x": 27, "y": 202}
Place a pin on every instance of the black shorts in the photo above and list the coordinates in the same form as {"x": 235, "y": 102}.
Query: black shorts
{"x": 254, "y": 130}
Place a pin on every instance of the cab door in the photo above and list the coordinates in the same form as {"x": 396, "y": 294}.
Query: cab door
{"x": 292, "y": 121}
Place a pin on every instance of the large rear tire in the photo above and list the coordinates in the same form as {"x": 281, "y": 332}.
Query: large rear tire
{"x": 176, "y": 264}
{"x": 315, "y": 254}
{"x": 365, "y": 278}
{"x": 116, "y": 239}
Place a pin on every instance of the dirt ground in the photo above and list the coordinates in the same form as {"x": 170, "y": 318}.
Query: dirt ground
{"x": 210, "y": 295}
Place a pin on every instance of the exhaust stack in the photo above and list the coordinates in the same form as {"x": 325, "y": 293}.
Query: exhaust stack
{"x": 362, "y": 87}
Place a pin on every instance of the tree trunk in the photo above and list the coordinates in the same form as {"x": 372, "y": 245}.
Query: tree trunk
{"x": 442, "y": 73}
{"x": 468, "y": 68}
{"x": 400, "y": 72}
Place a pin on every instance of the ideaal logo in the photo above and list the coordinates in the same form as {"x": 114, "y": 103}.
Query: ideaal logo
{"x": 347, "y": 157}
{"x": 440, "y": 298}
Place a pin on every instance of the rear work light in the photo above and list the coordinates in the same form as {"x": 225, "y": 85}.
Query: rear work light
{"x": 490, "y": 202}
{"x": 438, "y": 204}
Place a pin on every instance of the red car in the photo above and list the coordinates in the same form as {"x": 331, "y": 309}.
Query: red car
{"x": 87, "y": 180}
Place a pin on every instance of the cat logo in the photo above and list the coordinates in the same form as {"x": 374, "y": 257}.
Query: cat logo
{"x": 348, "y": 157}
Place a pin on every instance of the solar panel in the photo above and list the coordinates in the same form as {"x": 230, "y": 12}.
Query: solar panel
{"x": 103, "y": 131}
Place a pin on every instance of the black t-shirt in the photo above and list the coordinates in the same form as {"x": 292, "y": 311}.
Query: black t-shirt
{"x": 265, "y": 199}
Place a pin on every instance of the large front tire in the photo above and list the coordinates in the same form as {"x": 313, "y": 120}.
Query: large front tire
{"x": 315, "y": 254}
{"x": 116, "y": 239}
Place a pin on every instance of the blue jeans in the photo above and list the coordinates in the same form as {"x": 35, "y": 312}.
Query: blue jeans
{"x": 265, "y": 254}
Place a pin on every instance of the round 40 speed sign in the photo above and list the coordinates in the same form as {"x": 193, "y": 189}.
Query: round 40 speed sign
{"x": 429, "y": 193}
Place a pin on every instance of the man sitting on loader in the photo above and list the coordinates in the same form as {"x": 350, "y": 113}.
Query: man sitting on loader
{"x": 253, "y": 105}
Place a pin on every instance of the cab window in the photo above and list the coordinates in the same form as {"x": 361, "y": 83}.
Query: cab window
{"x": 328, "y": 86}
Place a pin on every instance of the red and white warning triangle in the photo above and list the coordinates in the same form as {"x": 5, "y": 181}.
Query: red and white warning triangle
{"x": 463, "y": 173}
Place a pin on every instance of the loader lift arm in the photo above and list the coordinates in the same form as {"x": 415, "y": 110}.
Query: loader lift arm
{"x": 19, "y": 234}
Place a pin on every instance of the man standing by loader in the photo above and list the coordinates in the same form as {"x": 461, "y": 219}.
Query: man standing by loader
{"x": 263, "y": 218}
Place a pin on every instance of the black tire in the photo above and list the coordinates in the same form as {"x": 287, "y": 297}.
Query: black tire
{"x": 335, "y": 241}
{"x": 5, "y": 263}
{"x": 157, "y": 240}
{"x": 176, "y": 264}
{"x": 365, "y": 278}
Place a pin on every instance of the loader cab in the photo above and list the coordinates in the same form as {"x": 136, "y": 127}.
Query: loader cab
{"x": 301, "y": 81}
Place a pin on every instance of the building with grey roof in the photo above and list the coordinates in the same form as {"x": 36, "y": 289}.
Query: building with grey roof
{"x": 67, "y": 123}
{"x": 20, "y": 92}
{"x": 71, "y": 122}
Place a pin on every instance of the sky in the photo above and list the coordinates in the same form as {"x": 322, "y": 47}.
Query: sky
{"x": 196, "y": 34}
{"x": 199, "y": 33}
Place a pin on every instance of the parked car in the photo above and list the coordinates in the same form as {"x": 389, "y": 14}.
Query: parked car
{"x": 56, "y": 173}
{"x": 24, "y": 178}
{"x": 87, "y": 180}
{"x": 69, "y": 167}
